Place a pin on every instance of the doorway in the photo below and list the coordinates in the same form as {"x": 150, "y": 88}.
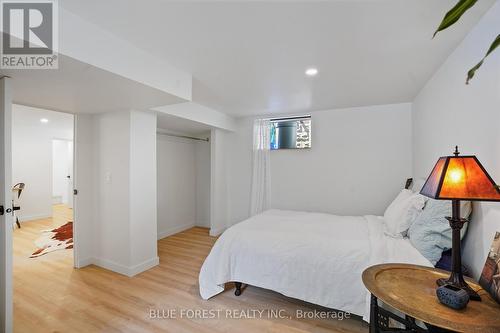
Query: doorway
{"x": 42, "y": 173}
{"x": 62, "y": 172}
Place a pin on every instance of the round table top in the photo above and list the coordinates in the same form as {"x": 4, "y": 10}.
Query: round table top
{"x": 411, "y": 289}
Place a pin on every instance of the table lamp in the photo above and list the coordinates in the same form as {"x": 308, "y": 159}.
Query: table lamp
{"x": 458, "y": 178}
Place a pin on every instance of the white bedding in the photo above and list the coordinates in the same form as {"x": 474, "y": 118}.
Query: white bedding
{"x": 314, "y": 257}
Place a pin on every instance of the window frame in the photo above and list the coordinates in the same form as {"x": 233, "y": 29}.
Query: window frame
{"x": 297, "y": 119}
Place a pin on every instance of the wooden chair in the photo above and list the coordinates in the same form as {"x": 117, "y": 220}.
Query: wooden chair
{"x": 17, "y": 190}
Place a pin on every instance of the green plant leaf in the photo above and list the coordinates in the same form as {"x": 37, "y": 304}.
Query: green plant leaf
{"x": 454, "y": 14}
{"x": 473, "y": 70}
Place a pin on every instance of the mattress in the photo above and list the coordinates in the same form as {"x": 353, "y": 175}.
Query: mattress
{"x": 314, "y": 257}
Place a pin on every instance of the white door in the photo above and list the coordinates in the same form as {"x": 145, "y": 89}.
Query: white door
{"x": 62, "y": 172}
{"x": 6, "y": 202}
{"x": 82, "y": 181}
{"x": 70, "y": 175}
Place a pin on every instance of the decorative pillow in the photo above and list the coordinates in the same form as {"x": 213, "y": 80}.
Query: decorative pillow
{"x": 431, "y": 231}
{"x": 402, "y": 212}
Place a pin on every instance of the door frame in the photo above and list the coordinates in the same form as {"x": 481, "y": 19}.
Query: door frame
{"x": 76, "y": 258}
{"x": 83, "y": 199}
{"x": 6, "y": 250}
{"x": 73, "y": 140}
{"x": 6, "y": 235}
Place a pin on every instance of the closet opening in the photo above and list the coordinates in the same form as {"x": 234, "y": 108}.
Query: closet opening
{"x": 183, "y": 177}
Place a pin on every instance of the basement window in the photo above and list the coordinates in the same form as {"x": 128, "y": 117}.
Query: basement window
{"x": 291, "y": 133}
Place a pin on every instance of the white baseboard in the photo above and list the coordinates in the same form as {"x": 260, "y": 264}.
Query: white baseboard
{"x": 174, "y": 230}
{"x": 84, "y": 262}
{"x": 26, "y": 218}
{"x": 112, "y": 266}
{"x": 203, "y": 224}
{"x": 129, "y": 271}
{"x": 144, "y": 266}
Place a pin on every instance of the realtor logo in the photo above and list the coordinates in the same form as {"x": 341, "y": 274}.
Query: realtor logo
{"x": 29, "y": 34}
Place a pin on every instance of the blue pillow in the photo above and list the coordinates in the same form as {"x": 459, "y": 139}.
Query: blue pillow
{"x": 430, "y": 233}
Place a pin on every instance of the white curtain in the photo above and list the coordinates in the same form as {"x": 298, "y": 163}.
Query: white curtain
{"x": 261, "y": 169}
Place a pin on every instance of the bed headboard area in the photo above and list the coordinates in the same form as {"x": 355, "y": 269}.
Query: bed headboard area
{"x": 484, "y": 223}
{"x": 408, "y": 183}
{"x": 475, "y": 254}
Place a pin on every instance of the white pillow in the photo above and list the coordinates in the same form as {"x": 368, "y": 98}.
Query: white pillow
{"x": 402, "y": 212}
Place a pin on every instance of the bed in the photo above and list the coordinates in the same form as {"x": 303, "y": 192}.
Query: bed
{"x": 314, "y": 257}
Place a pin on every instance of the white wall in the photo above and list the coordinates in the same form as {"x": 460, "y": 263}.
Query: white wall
{"x": 123, "y": 191}
{"x": 203, "y": 183}
{"x": 32, "y": 156}
{"x": 220, "y": 158}
{"x": 359, "y": 160}
{"x": 176, "y": 184}
{"x": 183, "y": 184}
{"x": 112, "y": 190}
{"x": 447, "y": 113}
{"x": 143, "y": 213}
{"x": 199, "y": 113}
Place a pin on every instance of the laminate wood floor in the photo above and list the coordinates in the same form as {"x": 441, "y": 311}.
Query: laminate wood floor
{"x": 51, "y": 296}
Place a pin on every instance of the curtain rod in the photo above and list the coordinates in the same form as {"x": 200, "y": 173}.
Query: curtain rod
{"x": 183, "y": 136}
{"x": 290, "y": 118}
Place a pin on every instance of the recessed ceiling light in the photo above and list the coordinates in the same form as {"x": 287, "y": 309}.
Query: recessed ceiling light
{"x": 44, "y": 120}
{"x": 311, "y": 71}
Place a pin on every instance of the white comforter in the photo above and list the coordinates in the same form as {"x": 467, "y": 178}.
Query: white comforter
{"x": 314, "y": 257}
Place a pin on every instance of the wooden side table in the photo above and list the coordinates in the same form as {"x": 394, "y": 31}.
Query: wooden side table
{"x": 411, "y": 289}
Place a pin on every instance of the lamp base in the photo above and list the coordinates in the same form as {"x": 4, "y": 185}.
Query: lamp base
{"x": 456, "y": 278}
{"x": 459, "y": 283}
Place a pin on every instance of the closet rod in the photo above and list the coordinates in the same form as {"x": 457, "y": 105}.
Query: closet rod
{"x": 289, "y": 118}
{"x": 184, "y": 136}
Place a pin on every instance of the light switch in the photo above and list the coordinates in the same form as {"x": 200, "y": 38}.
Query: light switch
{"x": 107, "y": 177}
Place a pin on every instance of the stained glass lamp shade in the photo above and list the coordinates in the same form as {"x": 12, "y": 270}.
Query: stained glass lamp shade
{"x": 458, "y": 178}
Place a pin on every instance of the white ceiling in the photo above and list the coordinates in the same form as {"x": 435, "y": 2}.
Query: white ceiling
{"x": 249, "y": 57}
{"x": 176, "y": 125}
{"x": 77, "y": 87}
{"x": 59, "y": 125}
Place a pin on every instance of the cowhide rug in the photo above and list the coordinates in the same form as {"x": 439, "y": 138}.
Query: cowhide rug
{"x": 56, "y": 239}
